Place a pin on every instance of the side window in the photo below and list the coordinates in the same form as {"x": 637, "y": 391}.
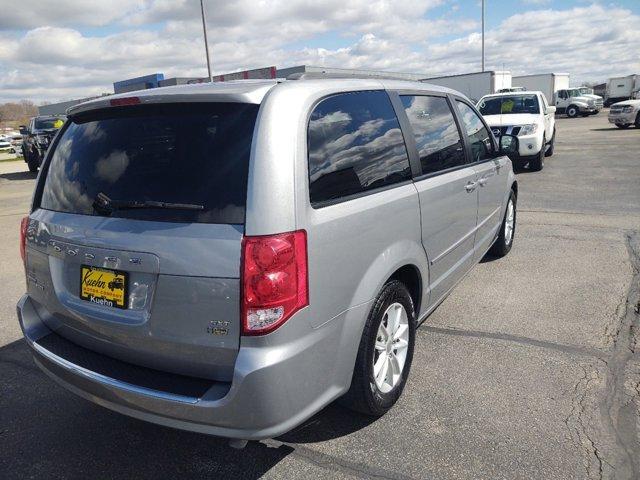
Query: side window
{"x": 479, "y": 136}
{"x": 355, "y": 144}
{"x": 436, "y": 133}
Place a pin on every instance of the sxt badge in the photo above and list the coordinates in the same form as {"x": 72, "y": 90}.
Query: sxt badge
{"x": 218, "y": 327}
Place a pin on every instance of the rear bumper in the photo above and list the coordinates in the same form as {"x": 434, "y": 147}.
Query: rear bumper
{"x": 273, "y": 390}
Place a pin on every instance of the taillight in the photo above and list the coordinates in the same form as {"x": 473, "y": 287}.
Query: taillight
{"x": 121, "y": 102}
{"x": 274, "y": 280}
{"x": 24, "y": 224}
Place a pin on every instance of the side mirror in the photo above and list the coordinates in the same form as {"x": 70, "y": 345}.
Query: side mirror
{"x": 508, "y": 144}
{"x": 23, "y": 130}
{"x": 551, "y": 109}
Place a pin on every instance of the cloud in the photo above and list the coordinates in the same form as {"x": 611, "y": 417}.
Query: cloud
{"x": 18, "y": 14}
{"x": 61, "y": 57}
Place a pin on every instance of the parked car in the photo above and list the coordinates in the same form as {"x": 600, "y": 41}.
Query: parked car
{"x": 5, "y": 145}
{"x": 37, "y": 137}
{"x": 279, "y": 243}
{"x": 526, "y": 115}
{"x": 624, "y": 114}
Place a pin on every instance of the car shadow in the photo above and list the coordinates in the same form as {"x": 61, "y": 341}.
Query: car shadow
{"x": 520, "y": 170}
{"x": 68, "y": 437}
{"x": 19, "y": 175}
{"x": 612, "y": 128}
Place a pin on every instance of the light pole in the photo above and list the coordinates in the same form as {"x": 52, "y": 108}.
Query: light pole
{"x": 482, "y": 36}
{"x": 206, "y": 43}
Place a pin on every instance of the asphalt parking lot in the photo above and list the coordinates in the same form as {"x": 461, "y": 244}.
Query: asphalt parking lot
{"x": 530, "y": 369}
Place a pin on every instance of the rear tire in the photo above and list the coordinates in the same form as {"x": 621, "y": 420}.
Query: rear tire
{"x": 373, "y": 394}
{"x": 572, "y": 111}
{"x": 637, "y": 124}
{"x": 504, "y": 242}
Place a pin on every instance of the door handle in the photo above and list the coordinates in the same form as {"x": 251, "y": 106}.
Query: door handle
{"x": 471, "y": 186}
{"x": 483, "y": 181}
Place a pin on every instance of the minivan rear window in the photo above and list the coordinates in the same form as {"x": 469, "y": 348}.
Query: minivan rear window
{"x": 191, "y": 153}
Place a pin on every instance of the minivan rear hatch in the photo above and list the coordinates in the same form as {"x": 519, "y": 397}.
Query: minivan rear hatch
{"x": 138, "y": 220}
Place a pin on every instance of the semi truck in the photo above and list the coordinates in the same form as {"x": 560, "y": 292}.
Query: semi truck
{"x": 622, "y": 88}
{"x": 474, "y": 85}
{"x": 555, "y": 87}
{"x": 547, "y": 83}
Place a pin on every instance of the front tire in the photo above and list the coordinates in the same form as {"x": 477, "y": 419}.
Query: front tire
{"x": 623, "y": 125}
{"x": 32, "y": 163}
{"x": 637, "y": 123}
{"x": 504, "y": 242}
{"x": 572, "y": 111}
{"x": 385, "y": 352}
{"x": 549, "y": 151}
{"x": 537, "y": 162}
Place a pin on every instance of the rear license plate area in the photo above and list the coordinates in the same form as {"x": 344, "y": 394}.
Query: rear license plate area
{"x": 104, "y": 286}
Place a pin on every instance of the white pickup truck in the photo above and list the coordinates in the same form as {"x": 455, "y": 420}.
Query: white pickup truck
{"x": 529, "y": 117}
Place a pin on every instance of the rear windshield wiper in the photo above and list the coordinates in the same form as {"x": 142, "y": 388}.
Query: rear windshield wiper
{"x": 105, "y": 205}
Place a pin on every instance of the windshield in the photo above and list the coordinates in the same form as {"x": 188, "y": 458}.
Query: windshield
{"x": 574, "y": 92}
{"x": 48, "y": 123}
{"x": 509, "y": 104}
{"x": 174, "y": 153}
{"x": 586, "y": 91}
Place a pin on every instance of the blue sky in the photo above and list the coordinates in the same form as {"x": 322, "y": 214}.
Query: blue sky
{"x": 80, "y": 48}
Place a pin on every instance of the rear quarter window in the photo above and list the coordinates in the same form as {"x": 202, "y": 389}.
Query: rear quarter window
{"x": 355, "y": 145}
{"x": 177, "y": 153}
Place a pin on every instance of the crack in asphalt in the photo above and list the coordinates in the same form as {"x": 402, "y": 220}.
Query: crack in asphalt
{"x": 611, "y": 448}
{"x": 567, "y": 212}
{"x": 618, "y": 414}
{"x": 578, "y": 425}
{"x": 571, "y": 349}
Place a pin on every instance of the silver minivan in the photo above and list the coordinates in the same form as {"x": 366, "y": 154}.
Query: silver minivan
{"x": 230, "y": 258}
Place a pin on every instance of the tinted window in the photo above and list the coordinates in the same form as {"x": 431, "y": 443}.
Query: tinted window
{"x": 355, "y": 144}
{"x": 479, "y": 136}
{"x": 509, "y": 104}
{"x": 188, "y": 153}
{"x": 48, "y": 123}
{"x": 437, "y": 137}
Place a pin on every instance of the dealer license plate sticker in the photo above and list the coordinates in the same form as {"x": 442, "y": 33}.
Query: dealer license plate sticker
{"x": 103, "y": 286}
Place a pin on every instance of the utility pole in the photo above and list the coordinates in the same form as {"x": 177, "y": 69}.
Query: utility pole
{"x": 482, "y": 35}
{"x": 206, "y": 43}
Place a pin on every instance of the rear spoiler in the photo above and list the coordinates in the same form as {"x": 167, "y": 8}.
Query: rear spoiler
{"x": 243, "y": 91}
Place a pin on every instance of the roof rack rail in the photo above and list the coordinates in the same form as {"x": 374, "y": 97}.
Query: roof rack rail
{"x": 322, "y": 75}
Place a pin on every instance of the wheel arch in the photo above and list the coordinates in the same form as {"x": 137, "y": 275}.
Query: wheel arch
{"x": 410, "y": 276}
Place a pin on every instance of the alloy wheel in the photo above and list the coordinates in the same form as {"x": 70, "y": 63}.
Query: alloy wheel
{"x": 392, "y": 342}
{"x": 509, "y": 222}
